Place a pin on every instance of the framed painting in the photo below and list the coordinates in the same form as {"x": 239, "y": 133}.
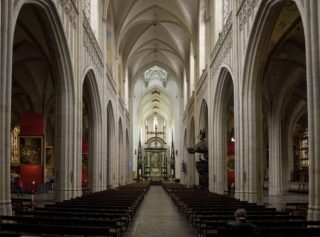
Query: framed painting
{"x": 31, "y": 150}
{"x": 85, "y": 161}
{"x": 49, "y": 155}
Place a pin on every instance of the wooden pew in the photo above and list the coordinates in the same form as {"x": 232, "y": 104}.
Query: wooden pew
{"x": 210, "y": 227}
{"x": 124, "y": 214}
{"x": 127, "y": 211}
{"x": 208, "y": 212}
{"x": 296, "y": 208}
{"x": 102, "y": 211}
{"x": 9, "y": 234}
{"x": 55, "y": 229}
{"x": 204, "y": 221}
{"x": 281, "y": 232}
{"x": 116, "y": 226}
{"x": 195, "y": 214}
{"x": 21, "y": 204}
{"x": 80, "y": 215}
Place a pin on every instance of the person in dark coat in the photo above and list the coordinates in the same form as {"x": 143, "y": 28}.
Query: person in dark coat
{"x": 240, "y": 226}
{"x": 19, "y": 185}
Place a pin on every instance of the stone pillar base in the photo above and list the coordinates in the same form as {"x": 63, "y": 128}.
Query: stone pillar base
{"x": 6, "y": 209}
{"x": 274, "y": 191}
{"x": 314, "y": 213}
{"x": 220, "y": 190}
{"x": 211, "y": 189}
{"x": 254, "y": 197}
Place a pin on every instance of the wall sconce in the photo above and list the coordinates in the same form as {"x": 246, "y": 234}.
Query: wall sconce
{"x": 176, "y": 152}
{"x": 135, "y": 152}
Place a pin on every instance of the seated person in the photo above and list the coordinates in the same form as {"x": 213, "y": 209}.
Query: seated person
{"x": 240, "y": 227}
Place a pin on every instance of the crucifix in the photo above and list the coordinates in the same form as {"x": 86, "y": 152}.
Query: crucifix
{"x": 156, "y": 133}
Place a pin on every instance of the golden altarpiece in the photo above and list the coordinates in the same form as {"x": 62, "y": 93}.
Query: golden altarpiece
{"x": 155, "y": 153}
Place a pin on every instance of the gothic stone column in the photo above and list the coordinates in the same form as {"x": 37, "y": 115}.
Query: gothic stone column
{"x": 191, "y": 170}
{"x": 6, "y": 41}
{"x": 312, "y": 29}
{"x": 220, "y": 151}
{"x": 251, "y": 148}
{"x": 276, "y": 168}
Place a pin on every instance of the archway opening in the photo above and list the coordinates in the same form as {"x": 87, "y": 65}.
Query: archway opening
{"x": 184, "y": 162}
{"x": 110, "y": 146}
{"x": 192, "y": 177}
{"x": 202, "y": 158}
{"x": 230, "y": 144}
{"x": 128, "y": 160}
{"x": 121, "y": 163}
{"x": 224, "y": 174}
{"x": 300, "y": 169}
{"x": 88, "y": 145}
{"x": 283, "y": 90}
{"x": 34, "y": 102}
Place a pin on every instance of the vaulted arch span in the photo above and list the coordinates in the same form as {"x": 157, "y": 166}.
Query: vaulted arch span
{"x": 111, "y": 145}
{"x": 271, "y": 67}
{"x": 222, "y": 174}
{"x": 49, "y": 92}
{"x": 92, "y": 161}
{"x": 203, "y": 117}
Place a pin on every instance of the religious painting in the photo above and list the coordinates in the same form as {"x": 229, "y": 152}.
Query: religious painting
{"x": 155, "y": 160}
{"x": 85, "y": 161}
{"x": 31, "y": 149}
{"x": 49, "y": 172}
{"x": 155, "y": 164}
{"x": 49, "y": 155}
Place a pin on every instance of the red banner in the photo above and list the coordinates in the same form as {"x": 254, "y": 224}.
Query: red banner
{"x": 31, "y": 173}
{"x": 85, "y": 146}
{"x": 31, "y": 124}
{"x": 230, "y": 148}
{"x": 230, "y": 163}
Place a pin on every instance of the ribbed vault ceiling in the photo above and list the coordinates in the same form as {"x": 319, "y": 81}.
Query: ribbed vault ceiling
{"x": 155, "y": 33}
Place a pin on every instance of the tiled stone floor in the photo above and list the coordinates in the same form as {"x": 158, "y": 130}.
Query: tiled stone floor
{"x": 158, "y": 217}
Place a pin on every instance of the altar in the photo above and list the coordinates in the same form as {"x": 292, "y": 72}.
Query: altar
{"x": 155, "y": 168}
{"x": 155, "y": 160}
{"x": 152, "y": 160}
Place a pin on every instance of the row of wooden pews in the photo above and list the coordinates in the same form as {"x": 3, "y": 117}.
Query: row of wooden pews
{"x": 105, "y": 213}
{"x": 19, "y": 204}
{"x": 209, "y": 213}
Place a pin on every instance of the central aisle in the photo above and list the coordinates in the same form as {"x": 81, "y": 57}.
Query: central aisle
{"x": 158, "y": 216}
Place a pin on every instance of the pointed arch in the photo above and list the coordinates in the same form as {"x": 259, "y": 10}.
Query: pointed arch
{"x": 93, "y": 105}
{"x": 223, "y": 100}
{"x": 250, "y": 109}
{"x": 121, "y": 163}
{"x": 191, "y": 157}
{"x": 203, "y": 117}
{"x": 110, "y": 144}
{"x": 128, "y": 161}
{"x": 66, "y": 142}
{"x": 184, "y": 164}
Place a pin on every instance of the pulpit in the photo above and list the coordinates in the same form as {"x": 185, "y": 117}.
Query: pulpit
{"x": 201, "y": 165}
